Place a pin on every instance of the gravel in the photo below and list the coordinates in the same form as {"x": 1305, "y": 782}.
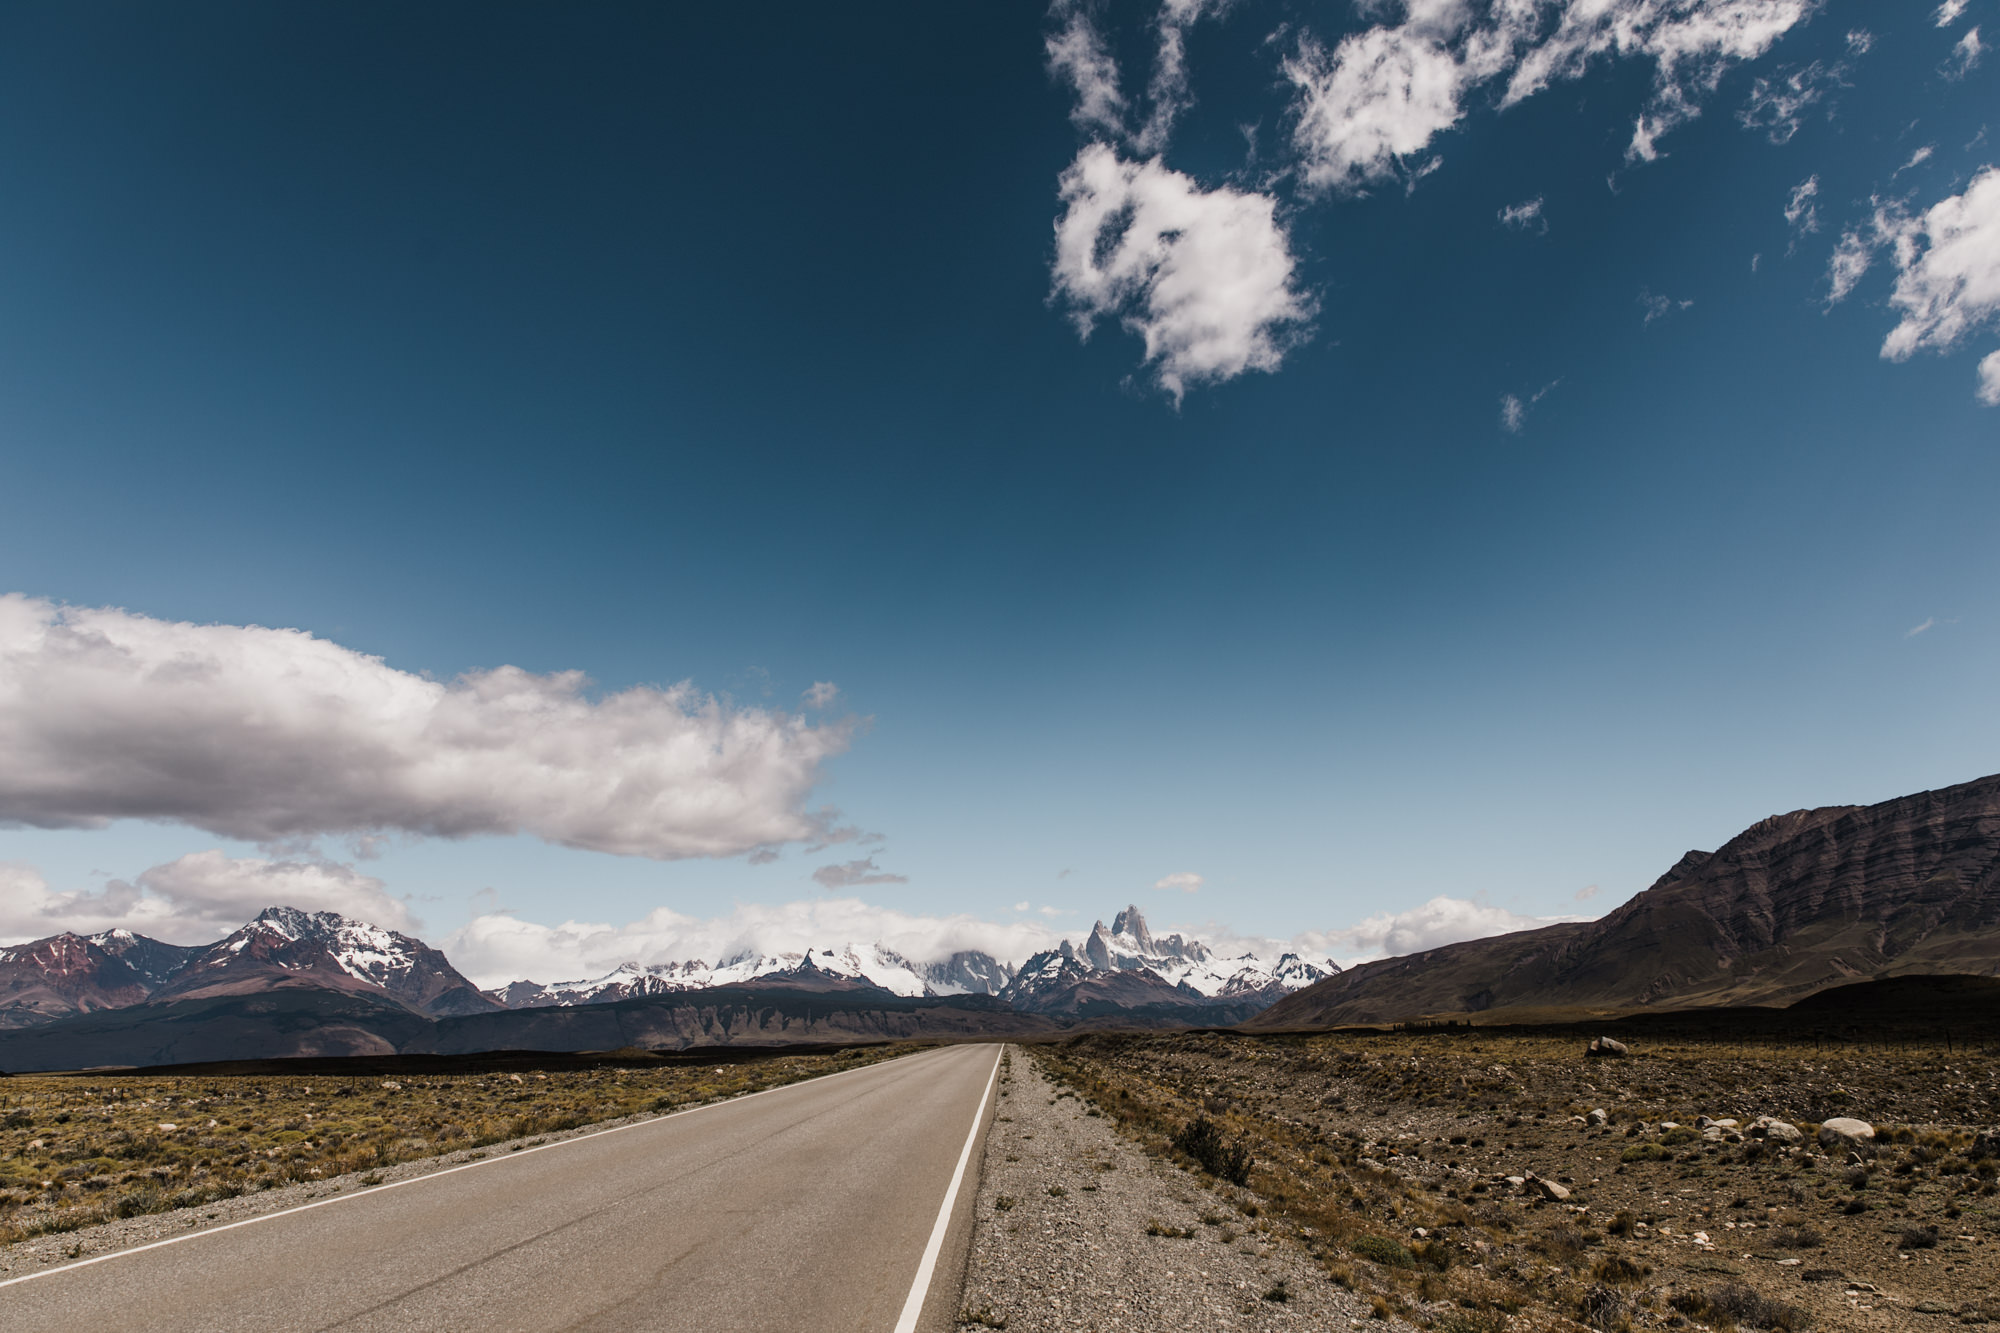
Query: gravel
{"x": 1068, "y": 1235}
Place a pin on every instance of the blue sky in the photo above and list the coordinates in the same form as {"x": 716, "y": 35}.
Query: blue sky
{"x": 1512, "y": 499}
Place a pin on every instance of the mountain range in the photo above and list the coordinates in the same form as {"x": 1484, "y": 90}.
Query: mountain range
{"x": 318, "y": 983}
{"x": 1793, "y": 905}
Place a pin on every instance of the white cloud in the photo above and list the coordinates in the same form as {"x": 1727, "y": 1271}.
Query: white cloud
{"x": 1379, "y": 97}
{"x": 1801, "y": 213}
{"x": 1690, "y": 42}
{"x": 1525, "y": 216}
{"x": 1914, "y": 631}
{"x": 1964, "y": 56}
{"x": 1860, "y": 41}
{"x": 1022, "y": 906}
{"x": 1659, "y": 307}
{"x": 1205, "y": 277}
{"x": 1168, "y": 90}
{"x": 1948, "y": 12}
{"x": 821, "y": 694}
{"x": 1917, "y": 159}
{"x": 1948, "y": 262}
{"x": 1382, "y": 95}
{"x": 1587, "y": 892}
{"x": 1514, "y": 408}
{"x": 495, "y": 949}
{"x": 1441, "y": 921}
{"x": 1852, "y": 255}
{"x": 271, "y": 734}
{"x": 1077, "y": 55}
{"x": 1778, "y": 105}
{"x": 1184, "y": 880}
{"x": 854, "y": 873}
{"x": 193, "y": 900}
{"x": 1989, "y": 379}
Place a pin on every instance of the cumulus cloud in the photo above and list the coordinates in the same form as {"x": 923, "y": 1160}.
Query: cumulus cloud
{"x": 1205, "y": 277}
{"x": 1947, "y": 13}
{"x": 1441, "y": 921}
{"x": 853, "y": 873}
{"x": 193, "y": 900}
{"x": 1778, "y": 105}
{"x": 1989, "y": 379}
{"x": 1184, "y": 880}
{"x": 1525, "y": 216}
{"x": 1375, "y": 100}
{"x": 495, "y": 949}
{"x": 1948, "y": 262}
{"x": 272, "y": 734}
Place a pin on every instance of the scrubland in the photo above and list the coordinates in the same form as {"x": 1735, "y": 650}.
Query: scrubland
{"x": 1460, "y": 1180}
{"x": 76, "y": 1150}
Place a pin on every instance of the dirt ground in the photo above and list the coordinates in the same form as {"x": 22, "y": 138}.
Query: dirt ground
{"x": 1462, "y": 1179}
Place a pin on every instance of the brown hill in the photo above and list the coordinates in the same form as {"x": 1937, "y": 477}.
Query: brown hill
{"x": 1794, "y": 904}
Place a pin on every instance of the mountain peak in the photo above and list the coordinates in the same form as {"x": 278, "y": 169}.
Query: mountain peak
{"x": 1130, "y": 923}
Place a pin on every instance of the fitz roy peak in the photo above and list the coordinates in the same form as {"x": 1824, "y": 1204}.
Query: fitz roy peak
{"x": 1126, "y": 965}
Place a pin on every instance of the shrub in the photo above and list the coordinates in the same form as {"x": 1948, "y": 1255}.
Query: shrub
{"x": 1225, "y": 1158}
{"x": 1382, "y": 1250}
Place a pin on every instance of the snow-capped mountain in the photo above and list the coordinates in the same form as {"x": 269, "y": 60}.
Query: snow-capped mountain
{"x": 286, "y": 947}
{"x": 1188, "y": 967}
{"x": 871, "y": 964}
{"x": 1151, "y": 970}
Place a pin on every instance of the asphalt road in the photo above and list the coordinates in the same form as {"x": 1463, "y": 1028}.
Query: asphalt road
{"x": 806, "y": 1207}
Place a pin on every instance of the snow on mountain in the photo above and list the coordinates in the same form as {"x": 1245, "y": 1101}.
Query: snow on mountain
{"x": 1188, "y": 965}
{"x": 872, "y": 964}
{"x": 285, "y": 946}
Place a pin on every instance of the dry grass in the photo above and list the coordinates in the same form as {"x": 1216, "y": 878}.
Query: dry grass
{"x": 1384, "y": 1155}
{"x": 75, "y": 1151}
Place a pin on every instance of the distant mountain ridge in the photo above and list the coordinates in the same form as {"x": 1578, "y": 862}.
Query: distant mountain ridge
{"x": 296, "y": 982}
{"x": 1794, "y": 904}
{"x": 282, "y": 948}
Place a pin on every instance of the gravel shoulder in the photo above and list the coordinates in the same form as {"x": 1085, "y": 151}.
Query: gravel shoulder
{"x": 1078, "y": 1230}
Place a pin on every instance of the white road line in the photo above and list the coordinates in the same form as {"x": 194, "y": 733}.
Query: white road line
{"x": 914, "y": 1306}
{"x": 454, "y": 1170}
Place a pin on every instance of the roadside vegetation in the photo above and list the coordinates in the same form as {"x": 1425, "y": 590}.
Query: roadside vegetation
{"x": 1471, "y": 1181}
{"x": 76, "y": 1150}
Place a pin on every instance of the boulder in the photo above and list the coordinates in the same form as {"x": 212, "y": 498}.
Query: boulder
{"x": 1605, "y": 1046}
{"x": 1597, "y": 1119}
{"x": 1775, "y": 1131}
{"x": 1548, "y": 1189}
{"x": 1842, "y": 1131}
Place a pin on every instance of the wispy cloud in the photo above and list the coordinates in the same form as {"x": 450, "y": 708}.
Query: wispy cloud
{"x": 1948, "y": 13}
{"x": 1441, "y": 921}
{"x": 1914, "y": 631}
{"x": 1525, "y": 216}
{"x": 1964, "y": 56}
{"x": 1801, "y": 208}
{"x": 1659, "y": 307}
{"x": 1184, "y": 880}
{"x": 1778, "y": 104}
{"x": 852, "y": 874}
{"x": 1514, "y": 408}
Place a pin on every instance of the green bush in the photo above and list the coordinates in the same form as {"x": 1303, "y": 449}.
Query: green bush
{"x": 1226, "y": 1158}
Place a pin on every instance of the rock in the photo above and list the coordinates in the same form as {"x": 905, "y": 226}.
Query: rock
{"x": 1597, "y": 1119}
{"x": 1778, "y": 1131}
{"x": 1605, "y": 1046}
{"x": 1551, "y": 1191}
{"x": 1841, "y": 1131}
{"x": 1517, "y": 1182}
{"x": 1986, "y": 1144}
